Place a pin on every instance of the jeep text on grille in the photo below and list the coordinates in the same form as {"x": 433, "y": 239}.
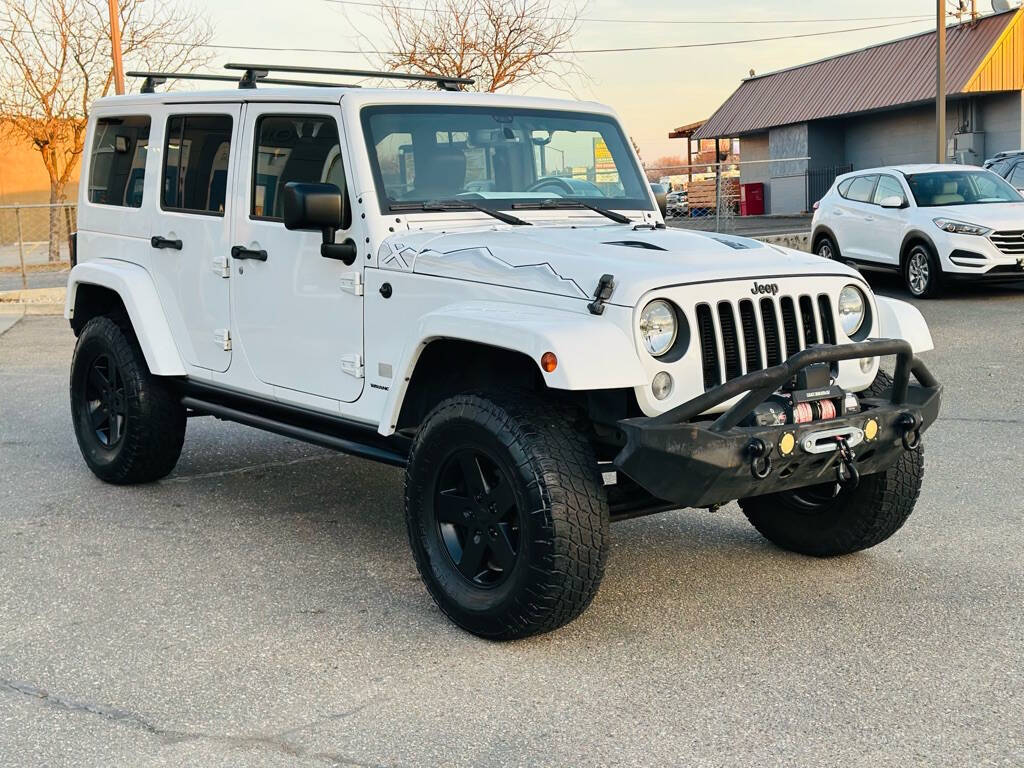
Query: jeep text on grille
{"x": 419, "y": 278}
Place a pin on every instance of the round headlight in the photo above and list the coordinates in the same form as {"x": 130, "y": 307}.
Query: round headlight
{"x": 852, "y": 309}
{"x": 658, "y": 327}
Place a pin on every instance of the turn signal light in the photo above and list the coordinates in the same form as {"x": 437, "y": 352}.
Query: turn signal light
{"x": 548, "y": 362}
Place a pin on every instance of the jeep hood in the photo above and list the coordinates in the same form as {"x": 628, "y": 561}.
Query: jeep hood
{"x": 569, "y": 261}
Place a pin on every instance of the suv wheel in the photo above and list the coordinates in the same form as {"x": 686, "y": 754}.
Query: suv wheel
{"x": 826, "y": 520}
{"x": 129, "y": 426}
{"x": 506, "y": 513}
{"x": 922, "y": 273}
{"x": 826, "y": 248}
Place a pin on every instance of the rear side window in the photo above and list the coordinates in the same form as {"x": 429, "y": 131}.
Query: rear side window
{"x": 195, "y": 175}
{"x": 844, "y": 187}
{"x": 861, "y": 189}
{"x": 302, "y": 148}
{"x": 1016, "y": 178}
{"x": 117, "y": 165}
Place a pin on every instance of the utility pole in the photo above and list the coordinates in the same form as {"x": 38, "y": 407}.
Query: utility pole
{"x": 940, "y": 82}
{"x": 115, "y": 46}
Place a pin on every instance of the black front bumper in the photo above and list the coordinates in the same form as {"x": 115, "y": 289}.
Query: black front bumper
{"x": 698, "y": 464}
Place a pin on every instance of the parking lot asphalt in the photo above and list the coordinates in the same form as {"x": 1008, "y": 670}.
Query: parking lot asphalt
{"x": 259, "y": 607}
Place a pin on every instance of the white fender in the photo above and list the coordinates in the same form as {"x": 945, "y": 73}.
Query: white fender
{"x": 585, "y": 346}
{"x": 135, "y": 287}
{"x": 900, "y": 320}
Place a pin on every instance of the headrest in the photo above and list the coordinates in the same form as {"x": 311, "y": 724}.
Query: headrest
{"x": 949, "y": 188}
{"x": 443, "y": 169}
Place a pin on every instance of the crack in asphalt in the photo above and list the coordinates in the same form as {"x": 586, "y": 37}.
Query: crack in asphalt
{"x": 252, "y": 468}
{"x": 276, "y": 742}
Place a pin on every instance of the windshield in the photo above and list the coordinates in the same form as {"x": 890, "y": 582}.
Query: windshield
{"x": 504, "y": 156}
{"x": 960, "y": 188}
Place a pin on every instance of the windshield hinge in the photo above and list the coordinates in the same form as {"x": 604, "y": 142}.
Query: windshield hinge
{"x": 352, "y": 282}
{"x": 352, "y": 365}
{"x": 603, "y": 292}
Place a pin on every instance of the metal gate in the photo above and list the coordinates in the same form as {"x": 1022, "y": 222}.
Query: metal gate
{"x": 819, "y": 180}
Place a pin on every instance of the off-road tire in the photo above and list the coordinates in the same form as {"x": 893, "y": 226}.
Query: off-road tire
{"x": 561, "y": 502}
{"x": 154, "y": 418}
{"x": 933, "y": 286}
{"x": 853, "y": 520}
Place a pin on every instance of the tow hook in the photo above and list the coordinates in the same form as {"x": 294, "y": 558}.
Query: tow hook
{"x": 759, "y": 453}
{"x": 847, "y": 474}
{"x": 911, "y": 429}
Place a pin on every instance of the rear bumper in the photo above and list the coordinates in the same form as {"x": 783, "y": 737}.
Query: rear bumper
{"x": 697, "y": 464}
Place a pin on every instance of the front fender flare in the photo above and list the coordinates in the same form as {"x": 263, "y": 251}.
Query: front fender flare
{"x": 138, "y": 294}
{"x": 593, "y": 353}
{"x": 900, "y": 320}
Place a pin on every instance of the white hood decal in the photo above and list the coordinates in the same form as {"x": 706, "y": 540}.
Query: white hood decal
{"x": 481, "y": 265}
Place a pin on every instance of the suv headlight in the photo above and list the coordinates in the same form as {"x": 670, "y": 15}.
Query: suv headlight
{"x": 658, "y": 327}
{"x": 852, "y": 309}
{"x": 960, "y": 227}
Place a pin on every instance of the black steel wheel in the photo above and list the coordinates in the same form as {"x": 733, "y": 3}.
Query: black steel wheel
{"x": 104, "y": 400}
{"x": 130, "y": 425}
{"x": 506, "y": 513}
{"x": 479, "y": 517}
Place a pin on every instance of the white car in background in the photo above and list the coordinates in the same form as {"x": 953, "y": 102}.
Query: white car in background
{"x": 931, "y": 223}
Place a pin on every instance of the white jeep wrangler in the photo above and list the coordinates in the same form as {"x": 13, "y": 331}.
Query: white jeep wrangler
{"x": 480, "y": 289}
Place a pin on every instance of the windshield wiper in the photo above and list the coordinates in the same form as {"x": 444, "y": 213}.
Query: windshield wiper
{"x": 618, "y": 218}
{"x": 456, "y": 205}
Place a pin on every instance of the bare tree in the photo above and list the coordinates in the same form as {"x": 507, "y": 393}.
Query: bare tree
{"x": 55, "y": 60}
{"x": 495, "y": 42}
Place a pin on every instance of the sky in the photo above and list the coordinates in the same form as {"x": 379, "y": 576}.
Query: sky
{"x": 653, "y": 91}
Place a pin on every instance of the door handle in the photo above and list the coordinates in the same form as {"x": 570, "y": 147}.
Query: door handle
{"x": 162, "y": 242}
{"x": 238, "y": 252}
{"x": 869, "y": 218}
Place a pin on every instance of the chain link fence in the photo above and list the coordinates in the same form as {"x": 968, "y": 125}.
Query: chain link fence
{"x": 35, "y": 238}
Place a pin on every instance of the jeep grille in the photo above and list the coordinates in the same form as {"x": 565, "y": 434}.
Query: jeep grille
{"x": 737, "y": 338}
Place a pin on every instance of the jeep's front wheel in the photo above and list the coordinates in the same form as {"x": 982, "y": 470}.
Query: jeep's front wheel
{"x": 130, "y": 426}
{"x": 506, "y": 513}
{"x": 827, "y": 520}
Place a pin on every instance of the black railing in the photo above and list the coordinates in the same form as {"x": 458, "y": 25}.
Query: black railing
{"x": 819, "y": 180}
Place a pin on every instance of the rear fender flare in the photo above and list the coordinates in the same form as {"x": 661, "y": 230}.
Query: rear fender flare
{"x": 135, "y": 287}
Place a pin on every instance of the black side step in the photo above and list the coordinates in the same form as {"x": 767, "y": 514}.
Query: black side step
{"x": 298, "y": 423}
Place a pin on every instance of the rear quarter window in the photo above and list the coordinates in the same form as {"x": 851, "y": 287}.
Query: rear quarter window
{"x": 117, "y": 161}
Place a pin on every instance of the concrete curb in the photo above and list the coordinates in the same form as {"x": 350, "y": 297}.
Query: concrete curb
{"x": 34, "y": 301}
{"x": 800, "y": 241}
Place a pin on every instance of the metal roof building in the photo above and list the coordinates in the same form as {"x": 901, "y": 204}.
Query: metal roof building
{"x": 874, "y": 107}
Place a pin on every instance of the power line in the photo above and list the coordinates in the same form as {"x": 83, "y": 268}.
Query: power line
{"x": 588, "y": 20}
{"x": 629, "y": 49}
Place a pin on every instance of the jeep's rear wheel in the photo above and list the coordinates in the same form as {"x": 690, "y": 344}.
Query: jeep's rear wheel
{"x": 506, "y": 513}
{"x": 129, "y": 426}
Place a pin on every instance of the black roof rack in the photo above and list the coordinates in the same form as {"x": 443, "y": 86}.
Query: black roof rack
{"x": 154, "y": 79}
{"x": 258, "y": 72}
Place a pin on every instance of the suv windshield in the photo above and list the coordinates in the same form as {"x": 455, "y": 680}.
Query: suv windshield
{"x": 960, "y": 188}
{"x": 504, "y": 156}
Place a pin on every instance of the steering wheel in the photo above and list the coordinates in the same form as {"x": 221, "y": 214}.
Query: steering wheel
{"x": 550, "y": 182}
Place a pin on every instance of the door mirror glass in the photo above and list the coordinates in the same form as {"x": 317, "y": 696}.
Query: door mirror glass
{"x": 892, "y": 201}
{"x": 313, "y": 206}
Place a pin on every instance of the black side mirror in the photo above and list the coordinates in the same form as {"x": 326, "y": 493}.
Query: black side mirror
{"x": 318, "y": 207}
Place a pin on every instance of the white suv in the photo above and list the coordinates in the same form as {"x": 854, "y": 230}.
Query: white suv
{"x": 397, "y": 275}
{"x": 932, "y": 223}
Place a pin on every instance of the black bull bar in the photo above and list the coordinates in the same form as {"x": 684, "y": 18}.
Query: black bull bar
{"x": 696, "y": 464}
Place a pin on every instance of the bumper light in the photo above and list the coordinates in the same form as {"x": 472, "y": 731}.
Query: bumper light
{"x": 662, "y": 385}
